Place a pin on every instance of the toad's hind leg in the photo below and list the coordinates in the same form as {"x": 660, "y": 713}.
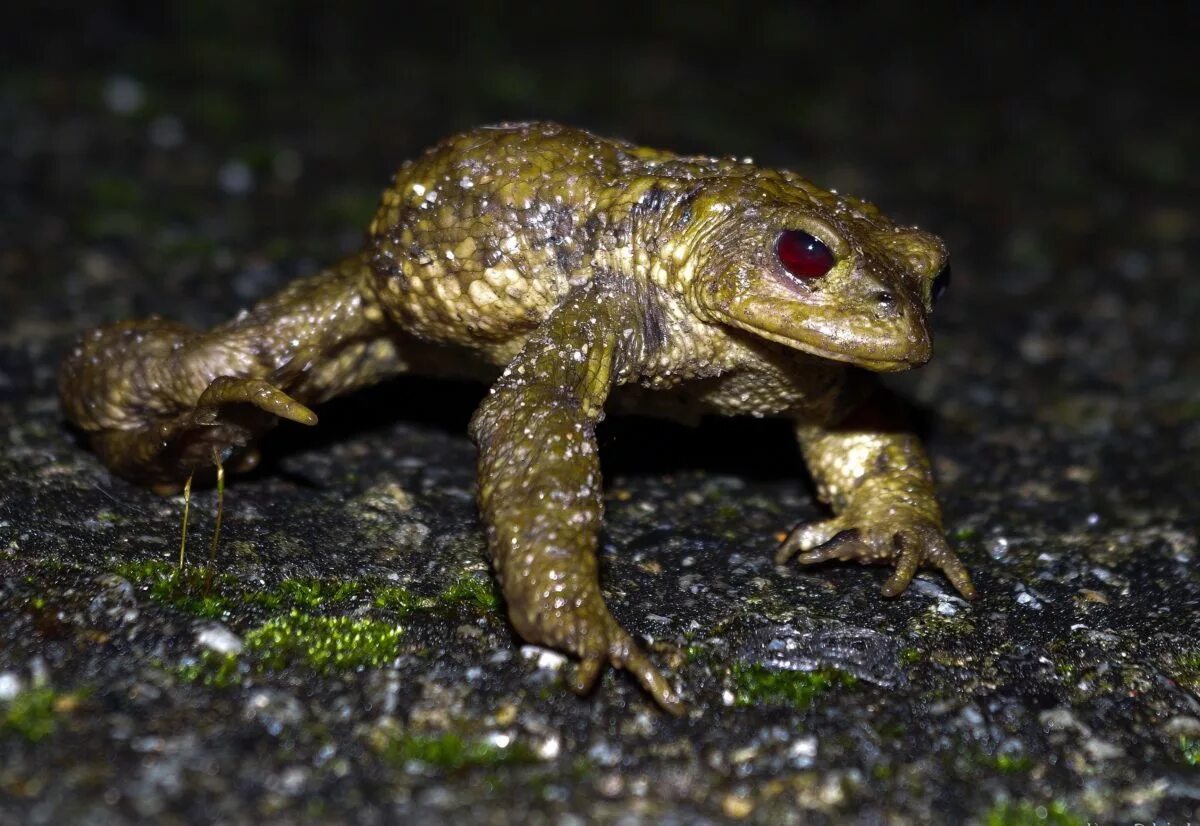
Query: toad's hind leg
{"x": 159, "y": 399}
{"x": 539, "y": 483}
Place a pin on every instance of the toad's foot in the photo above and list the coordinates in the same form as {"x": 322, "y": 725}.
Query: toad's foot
{"x": 228, "y": 417}
{"x": 905, "y": 543}
{"x": 593, "y": 635}
{"x": 223, "y": 425}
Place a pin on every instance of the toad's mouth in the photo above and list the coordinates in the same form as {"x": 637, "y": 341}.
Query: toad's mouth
{"x": 889, "y": 344}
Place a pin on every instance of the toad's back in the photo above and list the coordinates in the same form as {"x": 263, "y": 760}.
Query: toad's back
{"x": 478, "y": 240}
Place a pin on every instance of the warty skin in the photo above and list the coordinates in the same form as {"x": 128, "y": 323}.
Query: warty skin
{"x": 574, "y": 272}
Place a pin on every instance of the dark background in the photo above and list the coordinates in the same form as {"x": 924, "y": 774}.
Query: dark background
{"x": 186, "y": 159}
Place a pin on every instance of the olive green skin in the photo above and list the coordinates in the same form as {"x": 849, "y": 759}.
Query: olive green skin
{"x": 568, "y": 268}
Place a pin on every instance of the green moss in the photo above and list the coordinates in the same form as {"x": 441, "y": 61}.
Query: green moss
{"x": 472, "y": 592}
{"x": 965, "y": 534}
{"x": 325, "y": 644}
{"x": 1187, "y": 669}
{"x": 30, "y": 714}
{"x": 1189, "y": 661}
{"x": 932, "y": 631}
{"x": 581, "y": 768}
{"x": 1068, "y": 672}
{"x": 316, "y": 593}
{"x": 1189, "y": 747}
{"x": 729, "y": 513}
{"x": 213, "y": 670}
{"x": 305, "y": 593}
{"x": 401, "y": 600}
{"x": 192, "y": 589}
{"x": 451, "y": 752}
{"x": 1009, "y": 813}
{"x": 756, "y": 685}
{"x": 1013, "y": 763}
{"x": 34, "y": 714}
{"x": 296, "y": 633}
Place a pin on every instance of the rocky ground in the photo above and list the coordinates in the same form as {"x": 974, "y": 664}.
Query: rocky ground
{"x": 345, "y": 657}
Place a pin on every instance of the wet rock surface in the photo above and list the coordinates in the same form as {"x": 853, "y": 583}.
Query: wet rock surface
{"x": 345, "y": 657}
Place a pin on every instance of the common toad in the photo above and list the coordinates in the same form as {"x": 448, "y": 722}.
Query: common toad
{"x": 566, "y": 268}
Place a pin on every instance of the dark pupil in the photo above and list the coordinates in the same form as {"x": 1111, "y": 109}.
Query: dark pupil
{"x": 802, "y": 255}
{"x": 941, "y": 283}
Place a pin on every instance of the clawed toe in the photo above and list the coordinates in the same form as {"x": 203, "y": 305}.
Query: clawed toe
{"x": 949, "y": 563}
{"x": 908, "y": 560}
{"x": 808, "y": 537}
{"x": 845, "y": 546}
{"x": 907, "y": 549}
{"x": 623, "y": 653}
{"x": 583, "y": 677}
{"x": 226, "y": 390}
{"x": 230, "y": 415}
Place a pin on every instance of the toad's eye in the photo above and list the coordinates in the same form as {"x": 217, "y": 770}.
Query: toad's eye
{"x": 940, "y": 284}
{"x": 802, "y": 255}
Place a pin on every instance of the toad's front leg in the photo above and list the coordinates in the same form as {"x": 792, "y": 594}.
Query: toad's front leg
{"x": 539, "y": 483}
{"x": 874, "y": 472}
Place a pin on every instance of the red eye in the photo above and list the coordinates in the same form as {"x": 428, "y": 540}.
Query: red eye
{"x": 802, "y": 255}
